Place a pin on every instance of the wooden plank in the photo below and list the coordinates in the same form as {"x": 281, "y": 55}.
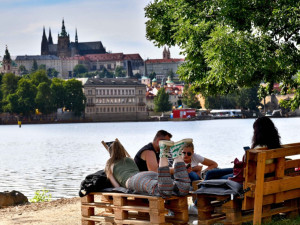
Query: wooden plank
{"x": 97, "y": 205}
{"x": 284, "y": 184}
{"x": 292, "y": 163}
{"x": 260, "y": 172}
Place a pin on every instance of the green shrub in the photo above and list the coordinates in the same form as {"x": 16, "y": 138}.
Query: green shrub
{"x": 41, "y": 196}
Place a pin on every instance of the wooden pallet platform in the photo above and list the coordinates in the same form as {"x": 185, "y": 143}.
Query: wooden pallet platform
{"x": 118, "y": 208}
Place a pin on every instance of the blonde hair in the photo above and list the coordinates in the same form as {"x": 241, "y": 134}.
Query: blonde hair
{"x": 189, "y": 145}
{"x": 117, "y": 152}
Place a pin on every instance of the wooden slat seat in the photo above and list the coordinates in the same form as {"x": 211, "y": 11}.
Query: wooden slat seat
{"x": 274, "y": 188}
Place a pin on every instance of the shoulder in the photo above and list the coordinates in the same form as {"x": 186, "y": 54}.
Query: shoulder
{"x": 198, "y": 157}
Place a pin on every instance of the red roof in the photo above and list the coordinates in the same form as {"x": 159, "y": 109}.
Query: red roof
{"x": 149, "y": 61}
{"x": 113, "y": 57}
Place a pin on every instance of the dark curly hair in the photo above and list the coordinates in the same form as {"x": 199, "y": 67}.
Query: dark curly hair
{"x": 265, "y": 133}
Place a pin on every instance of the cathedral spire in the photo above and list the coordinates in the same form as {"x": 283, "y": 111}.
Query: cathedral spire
{"x": 76, "y": 36}
{"x": 7, "y": 57}
{"x": 50, "y": 41}
{"x": 63, "y": 29}
{"x": 44, "y": 46}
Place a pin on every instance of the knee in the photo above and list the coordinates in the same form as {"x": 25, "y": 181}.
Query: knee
{"x": 194, "y": 176}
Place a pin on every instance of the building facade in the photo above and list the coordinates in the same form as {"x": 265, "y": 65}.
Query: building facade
{"x": 118, "y": 99}
{"x": 162, "y": 67}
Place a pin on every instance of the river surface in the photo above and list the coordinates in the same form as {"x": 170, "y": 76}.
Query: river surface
{"x": 57, "y": 157}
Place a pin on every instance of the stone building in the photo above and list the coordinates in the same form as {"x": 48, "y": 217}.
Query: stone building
{"x": 117, "y": 99}
{"x": 66, "y": 48}
{"x": 162, "y": 67}
{"x": 93, "y": 62}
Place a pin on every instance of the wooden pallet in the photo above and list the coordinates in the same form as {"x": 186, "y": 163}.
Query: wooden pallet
{"x": 119, "y": 208}
{"x": 274, "y": 188}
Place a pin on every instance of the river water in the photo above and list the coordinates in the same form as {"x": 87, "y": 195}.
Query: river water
{"x": 57, "y": 157}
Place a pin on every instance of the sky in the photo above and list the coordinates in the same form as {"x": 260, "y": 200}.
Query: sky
{"x": 119, "y": 24}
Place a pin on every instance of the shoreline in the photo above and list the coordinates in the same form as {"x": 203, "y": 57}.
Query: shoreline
{"x": 153, "y": 119}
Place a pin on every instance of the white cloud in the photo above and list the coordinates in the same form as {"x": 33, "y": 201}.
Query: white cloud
{"x": 119, "y": 24}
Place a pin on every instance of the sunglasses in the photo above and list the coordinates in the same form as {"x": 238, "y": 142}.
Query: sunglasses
{"x": 188, "y": 153}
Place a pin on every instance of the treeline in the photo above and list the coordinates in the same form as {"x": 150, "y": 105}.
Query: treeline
{"x": 35, "y": 92}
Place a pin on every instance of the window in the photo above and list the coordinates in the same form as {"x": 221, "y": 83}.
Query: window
{"x": 119, "y": 92}
{"x": 96, "y": 92}
{"x": 107, "y": 92}
{"x": 111, "y": 92}
{"x": 122, "y": 92}
{"x": 109, "y": 66}
{"x": 115, "y": 92}
{"x": 89, "y": 92}
{"x": 100, "y": 92}
{"x": 126, "y": 92}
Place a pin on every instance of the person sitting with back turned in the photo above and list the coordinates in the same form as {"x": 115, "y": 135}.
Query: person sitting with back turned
{"x": 192, "y": 161}
{"x": 265, "y": 134}
{"x": 122, "y": 171}
{"x": 147, "y": 158}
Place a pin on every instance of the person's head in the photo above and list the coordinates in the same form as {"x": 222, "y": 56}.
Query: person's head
{"x": 188, "y": 151}
{"x": 265, "y": 133}
{"x": 161, "y": 135}
{"x": 116, "y": 152}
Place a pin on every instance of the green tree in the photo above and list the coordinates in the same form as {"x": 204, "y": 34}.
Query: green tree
{"x": 51, "y": 72}
{"x": 189, "y": 97}
{"x": 79, "y": 69}
{"x": 104, "y": 73}
{"x": 120, "y": 72}
{"x": 137, "y": 76}
{"x": 43, "y": 99}
{"x": 23, "y": 70}
{"x": 26, "y": 93}
{"x": 75, "y": 99}
{"x": 248, "y": 98}
{"x": 34, "y": 66}
{"x": 161, "y": 101}
{"x": 58, "y": 92}
{"x": 11, "y": 104}
{"x": 39, "y": 76}
{"x": 230, "y": 44}
{"x": 152, "y": 75}
{"x": 42, "y": 67}
{"x": 9, "y": 84}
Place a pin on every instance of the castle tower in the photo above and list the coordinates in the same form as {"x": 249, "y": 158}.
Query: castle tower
{"x": 166, "y": 53}
{"x": 76, "y": 43}
{"x": 6, "y": 62}
{"x": 50, "y": 41}
{"x": 63, "y": 43}
{"x": 44, "y": 45}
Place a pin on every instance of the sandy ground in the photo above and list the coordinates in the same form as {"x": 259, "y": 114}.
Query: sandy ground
{"x": 58, "y": 212}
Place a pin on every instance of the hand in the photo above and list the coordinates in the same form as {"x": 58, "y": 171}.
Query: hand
{"x": 189, "y": 169}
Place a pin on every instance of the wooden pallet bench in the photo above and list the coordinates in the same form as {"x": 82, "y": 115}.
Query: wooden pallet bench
{"x": 118, "y": 208}
{"x": 274, "y": 189}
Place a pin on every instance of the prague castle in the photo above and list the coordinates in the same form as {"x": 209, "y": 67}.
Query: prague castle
{"x": 65, "y": 48}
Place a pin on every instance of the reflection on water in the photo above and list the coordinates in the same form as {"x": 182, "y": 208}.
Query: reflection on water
{"x": 57, "y": 157}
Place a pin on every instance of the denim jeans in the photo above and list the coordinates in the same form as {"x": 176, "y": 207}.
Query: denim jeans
{"x": 219, "y": 174}
{"x": 194, "y": 176}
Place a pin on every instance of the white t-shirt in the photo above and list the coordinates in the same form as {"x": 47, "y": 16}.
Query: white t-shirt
{"x": 196, "y": 159}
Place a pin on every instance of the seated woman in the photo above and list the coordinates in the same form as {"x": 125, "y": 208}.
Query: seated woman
{"x": 265, "y": 135}
{"x": 192, "y": 161}
{"x": 122, "y": 171}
